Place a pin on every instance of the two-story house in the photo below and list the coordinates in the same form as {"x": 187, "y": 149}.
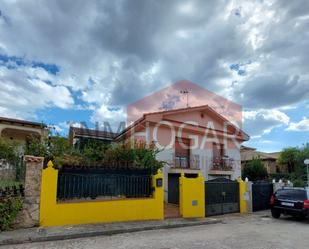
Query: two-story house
{"x": 191, "y": 139}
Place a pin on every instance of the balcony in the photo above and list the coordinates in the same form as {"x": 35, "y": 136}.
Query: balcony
{"x": 182, "y": 164}
{"x": 222, "y": 166}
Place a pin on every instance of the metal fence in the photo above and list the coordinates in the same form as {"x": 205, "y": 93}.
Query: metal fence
{"x": 12, "y": 191}
{"x": 83, "y": 185}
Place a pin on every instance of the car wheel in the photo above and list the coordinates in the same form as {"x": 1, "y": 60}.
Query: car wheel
{"x": 275, "y": 213}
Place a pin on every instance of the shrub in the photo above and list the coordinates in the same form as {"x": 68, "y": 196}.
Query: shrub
{"x": 255, "y": 170}
{"x": 138, "y": 155}
{"x": 8, "y": 150}
{"x": 36, "y": 147}
{"x": 52, "y": 148}
{"x": 95, "y": 151}
{"x": 68, "y": 160}
{"x": 299, "y": 183}
{"x": 9, "y": 208}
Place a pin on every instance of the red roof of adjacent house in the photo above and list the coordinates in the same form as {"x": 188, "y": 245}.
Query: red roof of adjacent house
{"x": 196, "y": 108}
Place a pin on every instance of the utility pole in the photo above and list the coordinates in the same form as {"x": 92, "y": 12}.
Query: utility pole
{"x": 306, "y": 162}
{"x": 186, "y": 91}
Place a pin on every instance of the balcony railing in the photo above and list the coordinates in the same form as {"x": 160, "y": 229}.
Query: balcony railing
{"x": 180, "y": 162}
{"x": 218, "y": 163}
{"x": 222, "y": 163}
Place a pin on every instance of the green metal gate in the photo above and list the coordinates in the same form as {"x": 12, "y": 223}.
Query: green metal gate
{"x": 261, "y": 193}
{"x": 221, "y": 196}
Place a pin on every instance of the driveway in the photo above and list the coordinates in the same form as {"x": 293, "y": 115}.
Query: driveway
{"x": 258, "y": 230}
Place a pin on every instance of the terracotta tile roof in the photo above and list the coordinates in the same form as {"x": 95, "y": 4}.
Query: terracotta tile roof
{"x": 22, "y": 122}
{"x": 33, "y": 159}
{"x": 84, "y": 132}
{"x": 250, "y": 154}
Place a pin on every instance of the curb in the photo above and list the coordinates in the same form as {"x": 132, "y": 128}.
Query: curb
{"x": 104, "y": 232}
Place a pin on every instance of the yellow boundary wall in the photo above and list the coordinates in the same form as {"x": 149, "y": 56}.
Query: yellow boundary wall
{"x": 192, "y": 196}
{"x": 57, "y": 214}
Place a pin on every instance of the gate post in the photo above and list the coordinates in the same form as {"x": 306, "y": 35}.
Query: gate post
{"x": 243, "y": 196}
{"x": 48, "y": 192}
{"x": 192, "y": 196}
{"x": 250, "y": 198}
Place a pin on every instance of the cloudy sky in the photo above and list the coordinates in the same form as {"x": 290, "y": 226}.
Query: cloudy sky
{"x": 71, "y": 61}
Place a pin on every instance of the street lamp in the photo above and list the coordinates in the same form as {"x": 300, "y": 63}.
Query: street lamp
{"x": 306, "y": 162}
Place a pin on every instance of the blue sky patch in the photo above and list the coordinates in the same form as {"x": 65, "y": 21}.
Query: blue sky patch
{"x": 9, "y": 61}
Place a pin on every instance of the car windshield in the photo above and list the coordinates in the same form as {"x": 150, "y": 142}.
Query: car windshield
{"x": 292, "y": 194}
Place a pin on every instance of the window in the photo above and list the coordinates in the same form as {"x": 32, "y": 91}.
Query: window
{"x": 218, "y": 150}
{"x": 182, "y": 152}
{"x": 292, "y": 194}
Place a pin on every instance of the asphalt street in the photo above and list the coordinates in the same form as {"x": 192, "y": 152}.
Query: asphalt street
{"x": 252, "y": 231}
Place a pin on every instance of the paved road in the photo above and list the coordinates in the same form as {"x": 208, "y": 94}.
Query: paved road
{"x": 254, "y": 231}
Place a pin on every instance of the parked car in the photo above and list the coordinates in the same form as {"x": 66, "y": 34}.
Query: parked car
{"x": 290, "y": 201}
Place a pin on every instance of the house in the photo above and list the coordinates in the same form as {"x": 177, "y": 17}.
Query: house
{"x": 269, "y": 159}
{"x": 21, "y": 130}
{"x": 79, "y": 137}
{"x": 191, "y": 140}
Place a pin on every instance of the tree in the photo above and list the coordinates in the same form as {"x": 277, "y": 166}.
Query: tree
{"x": 255, "y": 170}
{"x": 289, "y": 157}
{"x": 9, "y": 150}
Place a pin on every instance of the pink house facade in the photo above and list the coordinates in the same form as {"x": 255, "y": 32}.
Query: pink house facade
{"x": 191, "y": 140}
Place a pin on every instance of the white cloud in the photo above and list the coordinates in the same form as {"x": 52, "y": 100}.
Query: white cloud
{"x": 105, "y": 116}
{"x": 302, "y": 125}
{"x": 111, "y": 53}
{"x": 24, "y": 91}
{"x": 260, "y": 122}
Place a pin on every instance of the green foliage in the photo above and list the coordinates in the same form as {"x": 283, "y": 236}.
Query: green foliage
{"x": 8, "y": 150}
{"x": 299, "y": 183}
{"x": 58, "y": 145}
{"x": 94, "y": 151}
{"x": 294, "y": 159}
{"x": 133, "y": 154}
{"x": 138, "y": 154}
{"x": 36, "y": 147}
{"x": 288, "y": 157}
{"x": 9, "y": 208}
{"x": 49, "y": 147}
{"x": 9, "y": 183}
{"x": 255, "y": 170}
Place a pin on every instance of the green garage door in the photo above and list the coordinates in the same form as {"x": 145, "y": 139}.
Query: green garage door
{"x": 221, "y": 196}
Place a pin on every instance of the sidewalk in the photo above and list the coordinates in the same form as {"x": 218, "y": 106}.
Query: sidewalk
{"x": 78, "y": 231}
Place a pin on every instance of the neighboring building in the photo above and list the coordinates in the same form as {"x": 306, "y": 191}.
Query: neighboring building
{"x": 79, "y": 137}
{"x": 181, "y": 135}
{"x": 269, "y": 159}
{"x": 21, "y": 130}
